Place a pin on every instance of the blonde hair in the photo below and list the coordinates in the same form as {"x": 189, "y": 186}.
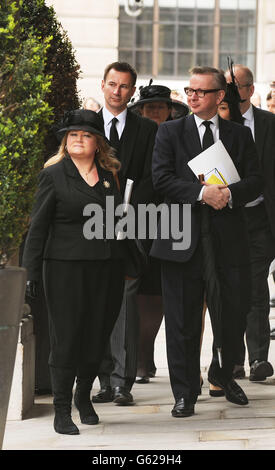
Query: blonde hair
{"x": 105, "y": 156}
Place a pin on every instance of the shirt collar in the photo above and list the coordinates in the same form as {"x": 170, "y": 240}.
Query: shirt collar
{"x": 108, "y": 116}
{"x": 249, "y": 114}
{"x": 199, "y": 120}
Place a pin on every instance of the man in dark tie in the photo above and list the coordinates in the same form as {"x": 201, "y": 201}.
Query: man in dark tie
{"x": 183, "y": 284}
{"x": 260, "y": 216}
{"x": 133, "y": 137}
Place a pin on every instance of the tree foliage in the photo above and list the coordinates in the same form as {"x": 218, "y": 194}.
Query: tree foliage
{"x": 38, "y": 74}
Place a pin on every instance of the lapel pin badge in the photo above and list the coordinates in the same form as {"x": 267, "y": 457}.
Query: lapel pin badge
{"x": 106, "y": 184}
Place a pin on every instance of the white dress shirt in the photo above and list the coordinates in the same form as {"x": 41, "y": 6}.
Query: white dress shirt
{"x": 214, "y": 127}
{"x": 249, "y": 120}
{"x": 107, "y": 118}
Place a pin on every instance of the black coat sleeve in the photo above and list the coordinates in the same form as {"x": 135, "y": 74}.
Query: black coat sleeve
{"x": 251, "y": 184}
{"x": 42, "y": 214}
{"x": 144, "y": 193}
{"x": 165, "y": 178}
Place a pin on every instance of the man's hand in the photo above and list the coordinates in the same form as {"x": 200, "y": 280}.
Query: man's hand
{"x": 216, "y": 195}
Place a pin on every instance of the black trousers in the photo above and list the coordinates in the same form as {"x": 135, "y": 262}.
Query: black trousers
{"x": 262, "y": 253}
{"x": 183, "y": 296}
{"x": 83, "y": 300}
{"x": 119, "y": 366}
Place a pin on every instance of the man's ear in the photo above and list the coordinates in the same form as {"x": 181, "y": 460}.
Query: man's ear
{"x": 220, "y": 97}
{"x": 252, "y": 89}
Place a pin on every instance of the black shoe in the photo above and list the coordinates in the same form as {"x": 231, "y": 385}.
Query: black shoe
{"x": 235, "y": 394}
{"x": 83, "y": 404}
{"x": 260, "y": 370}
{"x": 105, "y": 395}
{"x": 142, "y": 380}
{"x": 183, "y": 408}
{"x": 232, "y": 391}
{"x": 122, "y": 396}
{"x": 238, "y": 372}
{"x": 272, "y": 333}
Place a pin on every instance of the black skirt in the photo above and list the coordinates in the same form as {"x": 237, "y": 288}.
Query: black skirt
{"x": 83, "y": 300}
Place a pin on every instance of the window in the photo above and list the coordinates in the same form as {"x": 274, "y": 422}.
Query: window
{"x": 171, "y": 36}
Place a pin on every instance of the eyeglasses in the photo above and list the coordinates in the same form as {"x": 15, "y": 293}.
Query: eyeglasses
{"x": 199, "y": 92}
{"x": 243, "y": 86}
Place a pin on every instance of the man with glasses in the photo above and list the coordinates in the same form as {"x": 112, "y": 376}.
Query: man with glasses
{"x": 183, "y": 285}
{"x": 260, "y": 216}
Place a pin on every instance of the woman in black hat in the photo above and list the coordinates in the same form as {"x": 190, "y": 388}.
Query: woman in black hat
{"x": 156, "y": 104}
{"x": 83, "y": 276}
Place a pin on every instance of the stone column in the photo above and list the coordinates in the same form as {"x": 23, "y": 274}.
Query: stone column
{"x": 266, "y": 41}
{"x": 93, "y": 29}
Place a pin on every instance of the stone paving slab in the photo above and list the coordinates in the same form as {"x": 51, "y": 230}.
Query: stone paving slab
{"x": 148, "y": 425}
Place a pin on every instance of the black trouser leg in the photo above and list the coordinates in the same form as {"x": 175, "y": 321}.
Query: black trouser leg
{"x": 124, "y": 339}
{"x": 150, "y": 319}
{"x": 183, "y": 295}
{"x": 262, "y": 253}
{"x": 235, "y": 292}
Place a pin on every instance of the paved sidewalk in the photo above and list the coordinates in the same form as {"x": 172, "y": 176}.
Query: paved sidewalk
{"x": 217, "y": 424}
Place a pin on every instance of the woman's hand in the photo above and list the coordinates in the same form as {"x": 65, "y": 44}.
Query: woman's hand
{"x": 32, "y": 289}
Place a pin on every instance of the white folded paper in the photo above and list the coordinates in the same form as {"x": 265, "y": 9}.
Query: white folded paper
{"x": 126, "y": 202}
{"x": 215, "y": 164}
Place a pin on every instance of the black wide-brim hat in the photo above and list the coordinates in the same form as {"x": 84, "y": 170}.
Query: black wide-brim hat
{"x": 154, "y": 93}
{"x": 80, "y": 120}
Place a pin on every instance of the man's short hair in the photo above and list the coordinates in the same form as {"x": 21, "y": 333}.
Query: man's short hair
{"x": 121, "y": 67}
{"x": 248, "y": 74}
{"x": 218, "y": 75}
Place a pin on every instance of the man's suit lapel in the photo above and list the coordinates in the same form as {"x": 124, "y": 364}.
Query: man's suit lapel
{"x": 128, "y": 140}
{"x": 191, "y": 138}
{"x": 225, "y": 134}
{"x": 260, "y": 129}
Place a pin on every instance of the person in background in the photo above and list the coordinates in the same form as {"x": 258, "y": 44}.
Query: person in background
{"x": 83, "y": 278}
{"x": 133, "y": 137}
{"x": 154, "y": 102}
{"x": 256, "y": 100}
{"x": 92, "y": 104}
{"x": 260, "y": 218}
{"x": 270, "y": 103}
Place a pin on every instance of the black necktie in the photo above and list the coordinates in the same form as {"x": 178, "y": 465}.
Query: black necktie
{"x": 114, "y": 139}
{"x": 208, "y": 138}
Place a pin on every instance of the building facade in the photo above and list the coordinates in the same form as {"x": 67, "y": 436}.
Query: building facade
{"x": 163, "y": 39}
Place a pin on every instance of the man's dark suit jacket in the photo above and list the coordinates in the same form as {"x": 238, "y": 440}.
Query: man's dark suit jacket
{"x": 264, "y": 126}
{"x": 135, "y": 155}
{"x": 177, "y": 142}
